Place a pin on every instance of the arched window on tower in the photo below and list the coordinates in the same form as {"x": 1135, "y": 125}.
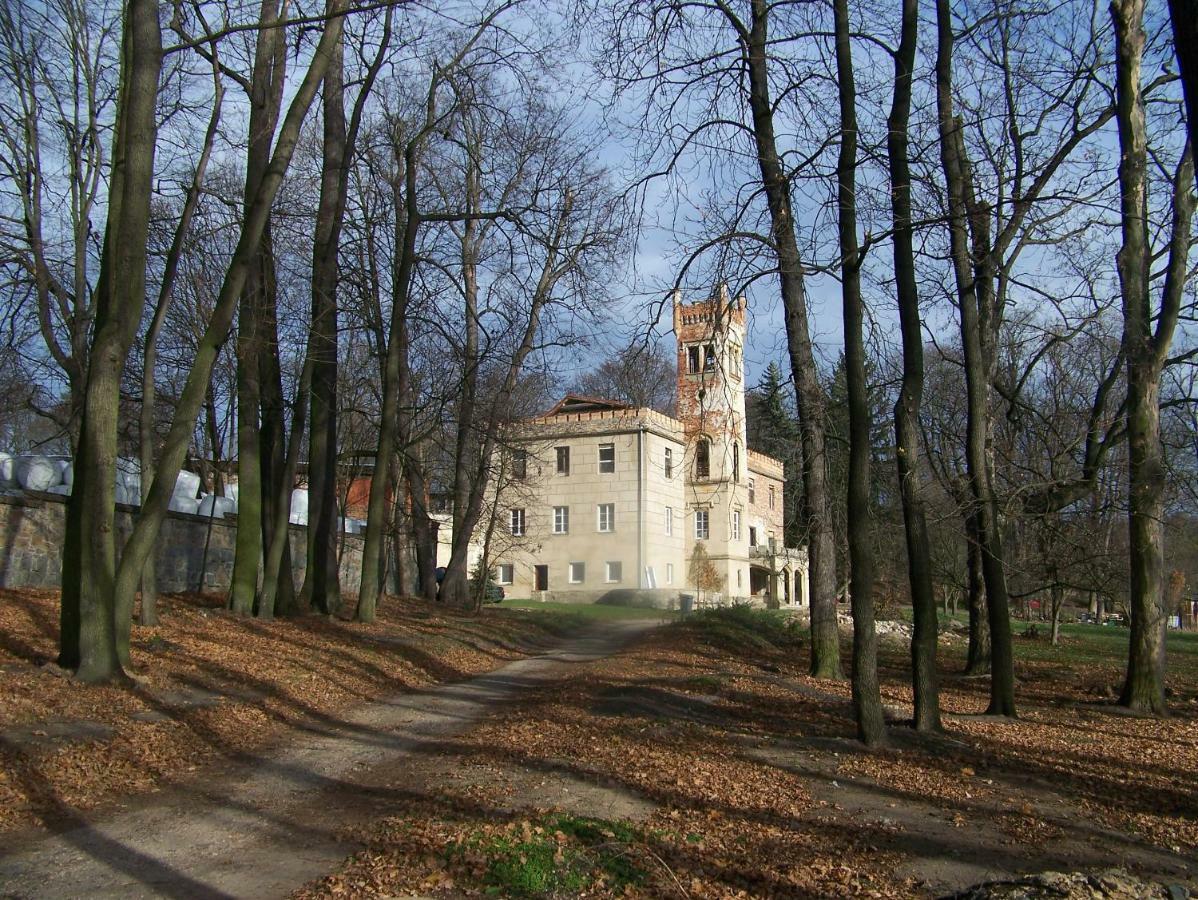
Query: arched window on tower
{"x": 735, "y": 461}
{"x": 703, "y": 458}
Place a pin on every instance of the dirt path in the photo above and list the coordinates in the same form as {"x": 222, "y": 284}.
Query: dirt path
{"x": 273, "y": 822}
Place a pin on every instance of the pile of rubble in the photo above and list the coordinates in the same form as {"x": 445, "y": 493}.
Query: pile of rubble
{"x": 887, "y": 629}
{"x": 1113, "y": 884}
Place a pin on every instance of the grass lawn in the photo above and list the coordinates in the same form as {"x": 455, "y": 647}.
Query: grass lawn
{"x": 587, "y": 612}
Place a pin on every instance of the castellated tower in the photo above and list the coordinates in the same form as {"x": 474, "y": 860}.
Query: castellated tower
{"x": 711, "y": 407}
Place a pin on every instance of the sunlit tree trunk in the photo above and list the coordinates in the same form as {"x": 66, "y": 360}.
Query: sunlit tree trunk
{"x": 92, "y": 621}
{"x": 867, "y": 697}
{"x": 925, "y": 683}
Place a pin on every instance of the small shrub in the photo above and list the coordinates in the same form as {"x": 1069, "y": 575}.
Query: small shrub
{"x": 555, "y": 855}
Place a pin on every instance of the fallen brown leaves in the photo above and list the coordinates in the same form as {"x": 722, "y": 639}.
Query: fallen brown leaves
{"x": 737, "y": 754}
{"x": 208, "y": 685}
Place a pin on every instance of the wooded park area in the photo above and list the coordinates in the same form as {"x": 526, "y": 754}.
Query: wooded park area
{"x": 265, "y": 241}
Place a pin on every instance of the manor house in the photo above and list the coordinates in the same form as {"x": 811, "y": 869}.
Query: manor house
{"x": 603, "y": 502}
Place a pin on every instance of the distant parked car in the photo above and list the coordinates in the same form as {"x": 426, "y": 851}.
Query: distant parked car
{"x": 1087, "y": 618}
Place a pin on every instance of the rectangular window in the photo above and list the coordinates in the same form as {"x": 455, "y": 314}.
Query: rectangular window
{"x": 739, "y": 581}
{"x": 703, "y": 459}
{"x": 692, "y": 360}
{"x": 702, "y": 529}
{"x": 561, "y": 520}
{"x": 752, "y": 491}
{"x": 607, "y": 517}
{"x": 669, "y": 573}
{"x": 669, "y": 463}
{"x": 563, "y": 460}
{"x": 607, "y": 458}
{"x": 771, "y": 496}
{"x": 504, "y": 573}
{"x": 519, "y": 464}
{"x": 752, "y": 536}
{"x": 709, "y": 357}
{"x": 669, "y": 520}
{"x": 517, "y": 522}
{"x": 735, "y": 525}
{"x": 615, "y": 571}
{"x": 578, "y": 572}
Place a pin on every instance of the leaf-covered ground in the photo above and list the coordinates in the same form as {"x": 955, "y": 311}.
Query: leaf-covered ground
{"x": 209, "y": 685}
{"x": 729, "y": 772}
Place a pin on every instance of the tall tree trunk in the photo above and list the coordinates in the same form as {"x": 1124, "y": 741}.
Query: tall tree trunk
{"x": 867, "y": 696}
{"x": 91, "y": 620}
{"x": 925, "y": 683}
{"x": 978, "y": 366}
{"x": 278, "y": 583}
{"x": 323, "y": 583}
{"x": 145, "y": 531}
{"x": 1184, "y": 14}
{"x": 266, "y": 99}
{"x": 977, "y": 661}
{"x": 395, "y": 375}
{"x": 1146, "y": 350}
{"x": 815, "y": 515}
{"x": 278, "y": 477}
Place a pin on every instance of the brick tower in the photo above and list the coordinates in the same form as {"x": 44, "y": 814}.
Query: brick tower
{"x": 711, "y": 406}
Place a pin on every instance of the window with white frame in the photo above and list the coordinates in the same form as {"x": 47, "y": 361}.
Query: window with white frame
{"x": 669, "y": 463}
{"x": 505, "y": 573}
{"x": 517, "y": 522}
{"x": 771, "y": 496}
{"x": 736, "y": 524}
{"x": 702, "y": 525}
{"x": 692, "y": 360}
{"x": 519, "y": 464}
{"x": 669, "y": 573}
{"x": 563, "y": 460}
{"x": 752, "y": 491}
{"x": 607, "y": 458}
{"x": 752, "y": 536}
{"x": 578, "y": 572}
{"x": 607, "y": 517}
{"x": 561, "y": 520}
{"x": 735, "y": 461}
{"x": 669, "y": 520}
{"x": 614, "y": 571}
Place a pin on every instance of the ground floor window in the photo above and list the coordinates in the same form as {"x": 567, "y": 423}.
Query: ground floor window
{"x": 669, "y": 573}
{"x": 615, "y": 571}
{"x": 505, "y": 573}
{"x": 577, "y": 572}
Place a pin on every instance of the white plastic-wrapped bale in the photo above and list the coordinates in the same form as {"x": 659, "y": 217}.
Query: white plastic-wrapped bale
{"x": 299, "y": 507}
{"x": 349, "y": 526}
{"x": 230, "y": 491}
{"x": 187, "y": 485}
{"x": 216, "y": 507}
{"x": 184, "y": 504}
{"x": 128, "y": 473}
{"x": 36, "y": 473}
{"x": 68, "y": 472}
{"x": 62, "y": 489}
{"x": 7, "y": 475}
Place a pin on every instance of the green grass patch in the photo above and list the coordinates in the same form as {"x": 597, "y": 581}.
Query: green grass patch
{"x": 556, "y": 855}
{"x": 590, "y": 612}
{"x": 737, "y": 628}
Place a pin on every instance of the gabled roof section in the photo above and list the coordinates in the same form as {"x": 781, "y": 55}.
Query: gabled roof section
{"x": 576, "y": 403}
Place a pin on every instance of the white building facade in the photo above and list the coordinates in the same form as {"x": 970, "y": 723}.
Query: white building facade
{"x": 605, "y": 503}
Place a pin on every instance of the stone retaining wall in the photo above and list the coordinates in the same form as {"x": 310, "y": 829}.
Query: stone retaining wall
{"x": 194, "y": 552}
